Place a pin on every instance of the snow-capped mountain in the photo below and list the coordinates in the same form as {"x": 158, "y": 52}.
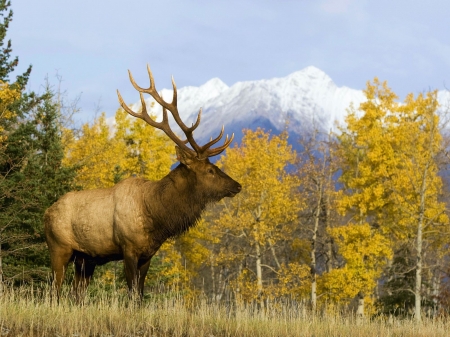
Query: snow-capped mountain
{"x": 306, "y": 98}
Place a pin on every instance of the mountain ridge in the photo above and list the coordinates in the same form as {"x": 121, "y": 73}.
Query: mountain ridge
{"x": 307, "y": 99}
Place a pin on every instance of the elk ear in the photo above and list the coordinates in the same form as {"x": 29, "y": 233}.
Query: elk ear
{"x": 184, "y": 157}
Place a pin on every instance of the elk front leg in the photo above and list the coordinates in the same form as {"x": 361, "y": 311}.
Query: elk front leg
{"x": 143, "y": 269}
{"x": 131, "y": 272}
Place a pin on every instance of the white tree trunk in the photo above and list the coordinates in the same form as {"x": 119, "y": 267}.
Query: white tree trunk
{"x": 418, "y": 285}
{"x": 213, "y": 278}
{"x": 259, "y": 281}
{"x": 313, "y": 249}
{"x": 360, "y": 310}
{"x": 419, "y": 243}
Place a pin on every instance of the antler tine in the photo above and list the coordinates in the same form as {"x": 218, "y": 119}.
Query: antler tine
{"x": 197, "y": 122}
{"x": 163, "y": 125}
{"x": 172, "y": 107}
{"x": 220, "y": 149}
{"x": 149, "y": 90}
{"x": 213, "y": 141}
{"x": 131, "y": 112}
{"x": 174, "y": 96}
{"x": 204, "y": 151}
{"x": 152, "y": 91}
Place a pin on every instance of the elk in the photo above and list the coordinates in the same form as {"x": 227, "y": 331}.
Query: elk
{"x": 131, "y": 220}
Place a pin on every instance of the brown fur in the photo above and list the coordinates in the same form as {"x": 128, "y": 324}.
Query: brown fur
{"x": 131, "y": 220}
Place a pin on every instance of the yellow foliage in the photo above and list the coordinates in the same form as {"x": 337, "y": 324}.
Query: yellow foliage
{"x": 263, "y": 215}
{"x": 300, "y": 250}
{"x": 388, "y": 149}
{"x": 340, "y": 285}
{"x": 268, "y": 201}
{"x": 366, "y": 252}
{"x": 193, "y": 244}
{"x": 107, "y": 278}
{"x": 294, "y": 281}
{"x": 95, "y": 153}
{"x": 180, "y": 258}
{"x": 361, "y": 246}
{"x": 7, "y": 97}
{"x": 104, "y": 157}
{"x": 174, "y": 271}
{"x": 150, "y": 152}
{"x": 388, "y": 157}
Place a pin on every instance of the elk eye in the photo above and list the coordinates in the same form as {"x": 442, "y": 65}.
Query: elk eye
{"x": 210, "y": 171}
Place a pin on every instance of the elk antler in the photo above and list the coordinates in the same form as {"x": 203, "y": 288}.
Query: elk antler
{"x": 202, "y": 152}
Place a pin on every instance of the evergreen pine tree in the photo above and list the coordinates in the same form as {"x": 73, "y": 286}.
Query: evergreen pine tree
{"x": 31, "y": 173}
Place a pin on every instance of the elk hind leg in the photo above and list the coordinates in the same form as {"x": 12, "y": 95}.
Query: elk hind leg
{"x": 59, "y": 260}
{"x": 83, "y": 275}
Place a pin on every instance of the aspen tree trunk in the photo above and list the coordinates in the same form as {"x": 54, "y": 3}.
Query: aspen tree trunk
{"x": 259, "y": 283}
{"x": 327, "y": 197}
{"x": 418, "y": 285}
{"x": 329, "y": 263}
{"x": 221, "y": 286}
{"x": 435, "y": 294}
{"x": 419, "y": 242}
{"x": 313, "y": 249}
{"x": 274, "y": 255}
{"x": 360, "y": 296}
{"x": 213, "y": 278}
{"x": 360, "y": 310}
{"x": 238, "y": 289}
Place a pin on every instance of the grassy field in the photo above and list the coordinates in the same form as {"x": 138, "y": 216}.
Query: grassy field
{"x": 31, "y": 312}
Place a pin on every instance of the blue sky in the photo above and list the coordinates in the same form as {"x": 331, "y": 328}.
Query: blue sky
{"x": 91, "y": 44}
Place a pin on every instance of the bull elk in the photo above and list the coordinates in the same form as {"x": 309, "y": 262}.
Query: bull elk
{"x": 132, "y": 219}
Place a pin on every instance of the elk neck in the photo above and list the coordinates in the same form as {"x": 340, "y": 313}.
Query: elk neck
{"x": 177, "y": 202}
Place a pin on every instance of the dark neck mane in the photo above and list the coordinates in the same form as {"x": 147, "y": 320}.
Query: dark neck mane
{"x": 175, "y": 204}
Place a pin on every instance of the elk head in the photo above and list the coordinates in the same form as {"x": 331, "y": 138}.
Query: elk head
{"x": 202, "y": 175}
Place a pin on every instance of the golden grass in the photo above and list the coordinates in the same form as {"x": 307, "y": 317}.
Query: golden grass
{"x": 30, "y": 312}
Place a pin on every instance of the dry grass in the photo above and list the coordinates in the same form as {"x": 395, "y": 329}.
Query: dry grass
{"x": 30, "y": 312}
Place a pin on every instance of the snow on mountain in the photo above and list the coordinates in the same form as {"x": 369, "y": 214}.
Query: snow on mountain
{"x": 307, "y": 98}
{"x": 190, "y": 99}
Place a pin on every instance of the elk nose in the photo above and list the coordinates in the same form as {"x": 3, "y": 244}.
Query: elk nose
{"x": 239, "y": 187}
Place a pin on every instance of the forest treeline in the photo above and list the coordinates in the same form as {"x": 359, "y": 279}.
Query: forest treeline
{"x": 356, "y": 219}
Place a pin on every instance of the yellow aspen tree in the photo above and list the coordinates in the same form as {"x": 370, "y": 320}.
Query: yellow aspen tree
{"x": 416, "y": 182}
{"x": 96, "y": 153}
{"x": 390, "y": 174}
{"x": 365, "y": 252}
{"x": 261, "y": 216}
{"x": 150, "y": 152}
{"x": 316, "y": 169}
{"x": 105, "y": 155}
{"x": 365, "y": 153}
{"x": 176, "y": 264}
{"x": 7, "y": 97}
